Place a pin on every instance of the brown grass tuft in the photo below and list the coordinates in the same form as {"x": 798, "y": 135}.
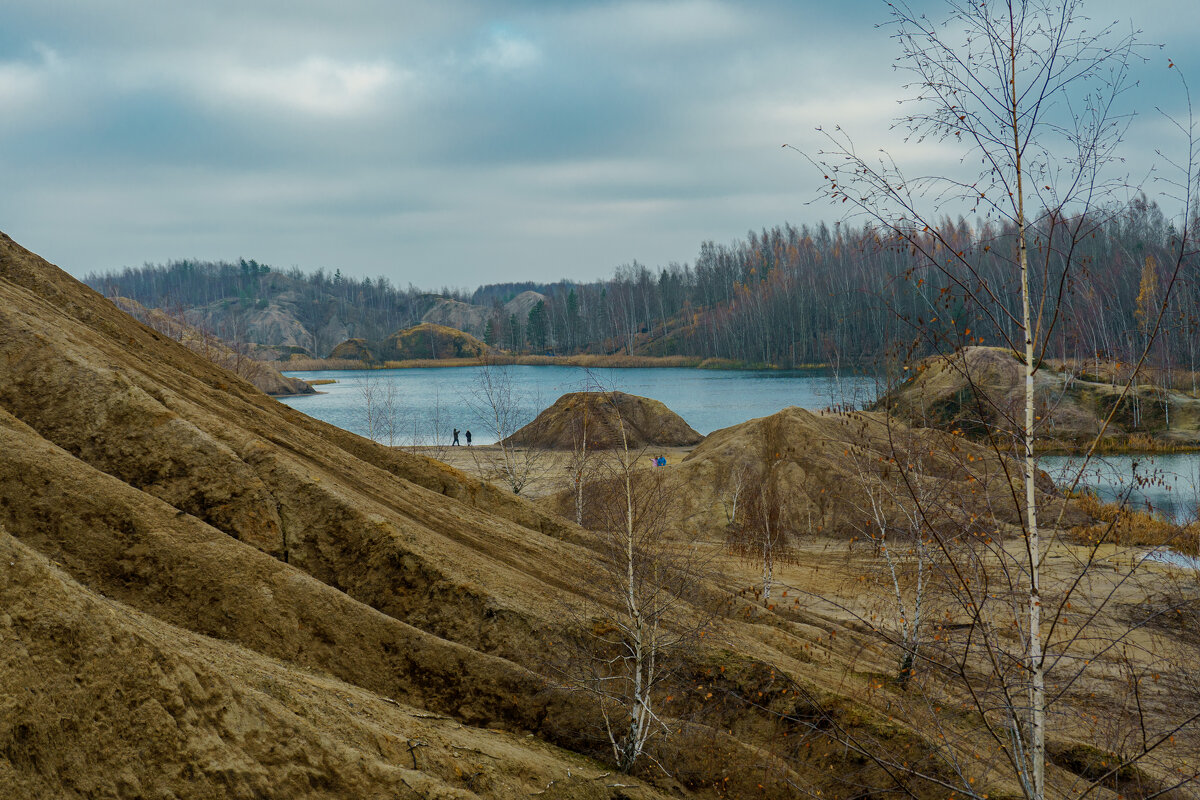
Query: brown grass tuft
{"x": 1126, "y": 527}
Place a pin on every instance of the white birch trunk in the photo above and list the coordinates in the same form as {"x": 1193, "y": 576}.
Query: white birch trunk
{"x": 1034, "y": 661}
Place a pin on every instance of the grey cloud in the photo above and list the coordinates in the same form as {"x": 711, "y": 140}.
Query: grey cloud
{"x": 475, "y": 141}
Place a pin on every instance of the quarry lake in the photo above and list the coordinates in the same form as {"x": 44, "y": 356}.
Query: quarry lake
{"x": 440, "y": 399}
{"x": 707, "y": 399}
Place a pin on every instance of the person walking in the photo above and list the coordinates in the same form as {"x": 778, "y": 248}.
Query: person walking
{"x": 456, "y": 437}
{"x": 468, "y": 438}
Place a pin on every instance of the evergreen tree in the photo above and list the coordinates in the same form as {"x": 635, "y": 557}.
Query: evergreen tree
{"x": 515, "y": 334}
{"x": 535, "y": 328}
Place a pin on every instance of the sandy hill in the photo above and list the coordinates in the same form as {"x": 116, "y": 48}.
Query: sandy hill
{"x": 424, "y": 341}
{"x": 835, "y": 474}
{"x": 244, "y": 363}
{"x": 598, "y": 418}
{"x": 980, "y": 391}
{"x": 207, "y": 593}
{"x": 473, "y": 319}
{"x": 429, "y": 341}
{"x": 353, "y": 350}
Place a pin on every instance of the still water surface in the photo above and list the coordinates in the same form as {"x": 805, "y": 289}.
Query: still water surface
{"x": 1168, "y": 483}
{"x": 706, "y": 399}
{"x": 432, "y": 401}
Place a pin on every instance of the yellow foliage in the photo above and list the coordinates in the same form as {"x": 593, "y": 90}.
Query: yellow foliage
{"x": 1122, "y": 526}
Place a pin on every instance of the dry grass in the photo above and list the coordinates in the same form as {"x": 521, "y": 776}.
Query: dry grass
{"x": 587, "y": 361}
{"x": 295, "y": 364}
{"x": 1119, "y": 372}
{"x": 1125, "y": 527}
{"x": 599, "y": 361}
{"x": 1124, "y": 444}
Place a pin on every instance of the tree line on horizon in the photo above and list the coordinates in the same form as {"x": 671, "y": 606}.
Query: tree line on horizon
{"x": 232, "y": 292}
{"x": 785, "y": 296}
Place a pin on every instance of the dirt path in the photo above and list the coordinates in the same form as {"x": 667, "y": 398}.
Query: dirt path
{"x": 550, "y": 471}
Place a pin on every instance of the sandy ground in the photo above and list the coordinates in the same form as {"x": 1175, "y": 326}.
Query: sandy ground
{"x": 838, "y": 595}
{"x": 549, "y": 467}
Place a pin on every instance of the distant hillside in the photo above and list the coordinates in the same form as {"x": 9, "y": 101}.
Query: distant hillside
{"x": 980, "y": 392}
{"x": 429, "y": 341}
{"x": 475, "y": 319}
{"x": 457, "y": 314}
{"x": 784, "y": 296}
{"x": 252, "y": 303}
{"x": 238, "y": 360}
{"x": 424, "y": 341}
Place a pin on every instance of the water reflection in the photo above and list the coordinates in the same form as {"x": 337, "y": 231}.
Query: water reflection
{"x": 1167, "y": 483}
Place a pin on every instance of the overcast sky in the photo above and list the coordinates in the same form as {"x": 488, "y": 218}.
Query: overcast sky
{"x": 448, "y": 142}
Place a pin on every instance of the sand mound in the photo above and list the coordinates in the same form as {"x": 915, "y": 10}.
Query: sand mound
{"x": 245, "y": 598}
{"x": 429, "y": 341}
{"x": 173, "y": 488}
{"x": 980, "y": 391}
{"x": 598, "y": 417}
{"x": 833, "y": 473}
{"x": 352, "y": 350}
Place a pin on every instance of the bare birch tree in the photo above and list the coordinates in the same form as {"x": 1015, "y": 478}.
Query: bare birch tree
{"x": 380, "y": 402}
{"x": 580, "y": 463}
{"x": 762, "y": 535}
{"x": 503, "y": 409}
{"x": 647, "y": 584}
{"x": 429, "y": 431}
{"x": 1032, "y": 93}
{"x": 894, "y": 517}
{"x": 731, "y": 481}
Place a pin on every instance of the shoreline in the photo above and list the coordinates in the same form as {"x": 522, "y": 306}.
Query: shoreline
{"x": 1118, "y": 449}
{"x": 583, "y": 361}
{"x": 1118, "y": 445}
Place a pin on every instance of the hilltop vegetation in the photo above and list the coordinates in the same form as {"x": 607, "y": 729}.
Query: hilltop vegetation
{"x": 784, "y": 296}
{"x": 979, "y": 392}
{"x": 429, "y": 341}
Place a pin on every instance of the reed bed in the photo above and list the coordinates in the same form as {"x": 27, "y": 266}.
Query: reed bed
{"x": 1121, "y": 525}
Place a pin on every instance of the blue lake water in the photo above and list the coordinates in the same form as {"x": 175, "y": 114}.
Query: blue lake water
{"x": 426, "y": 404}
{"x": 707, "y": 399}
{"x": 1168, "y": 483}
